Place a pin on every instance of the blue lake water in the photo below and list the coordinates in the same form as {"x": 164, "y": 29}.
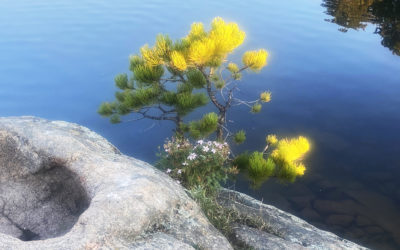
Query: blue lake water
{"x": 341, "y": 89}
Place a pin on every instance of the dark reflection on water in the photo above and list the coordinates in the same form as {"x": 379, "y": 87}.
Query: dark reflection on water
{"x": 355, "y": 14}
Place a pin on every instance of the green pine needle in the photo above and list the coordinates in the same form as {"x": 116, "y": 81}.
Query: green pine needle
{"x": 240, "y": 137}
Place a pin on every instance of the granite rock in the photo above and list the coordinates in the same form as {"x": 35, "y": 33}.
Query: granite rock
{"x": 63, "y": 186}
{"x": 284, "y": 230}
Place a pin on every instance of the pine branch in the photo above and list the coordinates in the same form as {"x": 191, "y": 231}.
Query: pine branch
{"x": 230, "y": 98}
{"x": 211, "y": 94}
{"x": 241, "y": 102}
{"x": 230, "y": 92}
{"x": 170, "y": 80}
{"x": 161, "y": 117}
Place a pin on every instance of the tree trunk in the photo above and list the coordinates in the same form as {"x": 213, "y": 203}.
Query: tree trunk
{"x": 221, "y": 123}
{"x": 178, "y": 127}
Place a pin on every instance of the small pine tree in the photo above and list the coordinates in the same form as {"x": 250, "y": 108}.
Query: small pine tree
{"x": 172, "y": 79}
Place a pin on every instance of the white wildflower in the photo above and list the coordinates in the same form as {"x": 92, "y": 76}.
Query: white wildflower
{"x": 213, "y": 150}
{"x": 192, "y": 156}
{"x": 200, "y": 141}
{"x": 179, "y": 171}
{"x": 185, "y": 163}
{"x": 206, "y": 148}
{"x": 168, "y": 170}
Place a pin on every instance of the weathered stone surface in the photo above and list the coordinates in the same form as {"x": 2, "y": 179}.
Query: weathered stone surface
{"x": 288, "y": 228}
{"x": 257, "y": 239}
{"x": 63, "y": 186}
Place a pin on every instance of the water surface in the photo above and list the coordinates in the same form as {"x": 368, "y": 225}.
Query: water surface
{"x": 332, "y": 82}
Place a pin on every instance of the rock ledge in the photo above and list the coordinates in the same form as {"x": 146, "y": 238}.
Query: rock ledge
{"x": 285, "y": 231}
{"x": 63, "y": 186}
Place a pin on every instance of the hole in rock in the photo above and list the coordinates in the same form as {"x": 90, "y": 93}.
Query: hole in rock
{"x": 39, "y": 205}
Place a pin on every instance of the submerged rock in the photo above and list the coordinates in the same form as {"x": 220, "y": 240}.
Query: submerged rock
{"x": 63, "y": 186}
{"x": 341, "y": 220}
{"x": 284, "y": 230}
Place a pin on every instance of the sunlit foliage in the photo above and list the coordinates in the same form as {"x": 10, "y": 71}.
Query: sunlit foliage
{"x": 171, "y": 79}
{"x": 290, "y": 150}
{"x": 271, "y": 139}
{"x": 166, "y": 74}
{"x": 202, "y": 51}
{"x": 281, "y": 158}
{"x": 265, "y": 96}
{"x": 233, "y": 67}
{"x": 226, "y": 36}
{"x": 255, "y": 60}
{"x": 178, "y": 61}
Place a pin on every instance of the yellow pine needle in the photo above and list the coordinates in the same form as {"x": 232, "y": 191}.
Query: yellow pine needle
{"x": 300, "y": 169}
{"x": 196, "y": 32}
{"x": 265, "y": 96}
{"x": 271, "y": 139}
{"x": 178, "y": 61}
{"x": 255, "y": 60}
{"x": 291, "y": 150}
{"x": 150, "y": 56}
{"x": 232, "y": 67}
{"x": 202, "y": 51}
{"x": 227, "y": 36}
